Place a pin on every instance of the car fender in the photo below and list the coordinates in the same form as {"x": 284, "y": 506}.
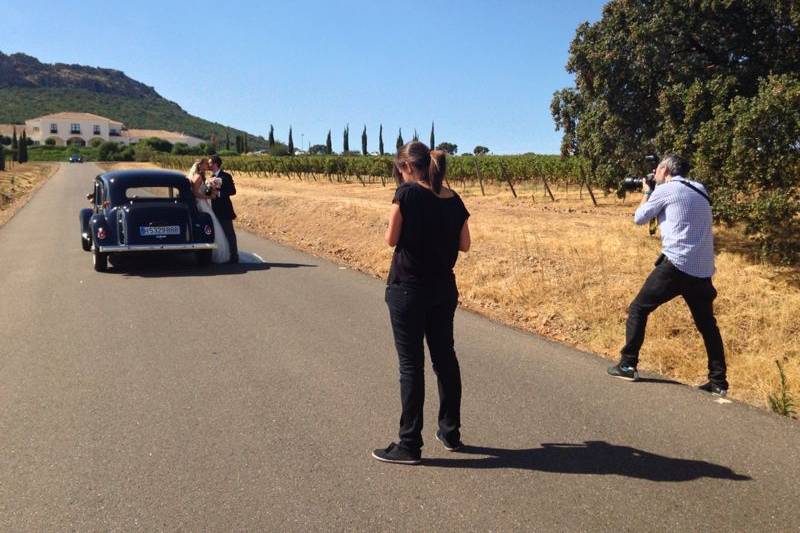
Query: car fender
{"x": 84, "y": 217}
{"x": 97, "y": 221}
{"x": 201, "y": 220}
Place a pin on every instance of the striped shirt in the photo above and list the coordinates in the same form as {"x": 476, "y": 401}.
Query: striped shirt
{"x": 684, "y": 218}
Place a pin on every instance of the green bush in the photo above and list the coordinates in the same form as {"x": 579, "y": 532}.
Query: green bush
{"x": 143, "y": 152}
{"x": 157, "y": 144}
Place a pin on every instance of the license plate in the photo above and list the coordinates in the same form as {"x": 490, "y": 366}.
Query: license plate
{"x": 151, "y": 231}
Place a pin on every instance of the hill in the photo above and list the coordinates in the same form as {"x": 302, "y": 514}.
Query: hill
{"x": 30, "y": 88}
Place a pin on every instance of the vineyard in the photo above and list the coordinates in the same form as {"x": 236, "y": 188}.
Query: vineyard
{"x": 509, "y": 170}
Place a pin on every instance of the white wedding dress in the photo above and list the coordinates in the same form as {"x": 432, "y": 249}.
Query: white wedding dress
{"x": 222, "y": 253}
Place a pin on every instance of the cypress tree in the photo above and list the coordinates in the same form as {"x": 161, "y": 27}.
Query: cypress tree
{"x": 239, "y": 145}
{"x": 416, "y": 136}
{"x": 400, "y": 138}
{"x": 213, "y": 141}
{"x": 433, "y": 139}
{"x": 380, "y": 140}
{"x": 244, "y": 140}
{"x": 23, "y": 148}
{"x": 2, "y": 158}
{"x": 346, "y": 140}
{"x": 328, "y": 144}
{"x": 364, "y": 140}
{"x": 227, "y": 140}
{"x": 271, "y": 140}
{"x": 14, "y": 145}
{"x": 291, "y": 142}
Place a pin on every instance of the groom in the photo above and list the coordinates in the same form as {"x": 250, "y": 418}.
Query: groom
{"x": 223, "y": 208}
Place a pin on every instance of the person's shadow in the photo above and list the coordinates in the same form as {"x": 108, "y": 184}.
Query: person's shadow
{"x": 592, "y": 458}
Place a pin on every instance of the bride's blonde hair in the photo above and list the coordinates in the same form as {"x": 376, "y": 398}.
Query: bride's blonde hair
{"x": 198, "y": 166}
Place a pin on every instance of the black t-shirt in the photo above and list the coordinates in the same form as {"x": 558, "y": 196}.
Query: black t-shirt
{"x": 428, "y": 245}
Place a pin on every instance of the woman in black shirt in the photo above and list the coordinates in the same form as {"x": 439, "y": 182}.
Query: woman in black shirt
{"x": 428, "y": 227}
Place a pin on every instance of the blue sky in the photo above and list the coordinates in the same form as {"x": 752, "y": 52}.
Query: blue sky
{"x": 483, "y": 71}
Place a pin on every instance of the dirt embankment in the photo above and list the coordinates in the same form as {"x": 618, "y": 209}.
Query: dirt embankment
{"x": 18, "y": 183}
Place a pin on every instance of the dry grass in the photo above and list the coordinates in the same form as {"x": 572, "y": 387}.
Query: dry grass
{"x": 18, "y": 183}
{"x": 566, "y": 270}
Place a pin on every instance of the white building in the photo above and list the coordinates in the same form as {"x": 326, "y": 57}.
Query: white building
{"x": 82, "y": 128}
{"x": 72, "y": 128}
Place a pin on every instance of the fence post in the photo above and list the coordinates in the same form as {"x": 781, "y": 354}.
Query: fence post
{"x": 508, "y": 180}
{"x": 480, "y": 178}
{"x": 588, "y": 187}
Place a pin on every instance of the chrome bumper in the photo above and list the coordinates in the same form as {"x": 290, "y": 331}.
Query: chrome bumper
{"x": 155, "y": 247}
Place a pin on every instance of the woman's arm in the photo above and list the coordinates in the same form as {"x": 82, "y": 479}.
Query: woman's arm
{"x": 395, "y": 225}
{"x": 464, "y": 240}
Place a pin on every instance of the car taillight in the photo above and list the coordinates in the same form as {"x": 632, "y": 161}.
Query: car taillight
{"x": 101, "y": 233}
{"x": 208, "y": 230}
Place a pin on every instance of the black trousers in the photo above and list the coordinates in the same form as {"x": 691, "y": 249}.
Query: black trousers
{"x": 230, "y": 234}
{"x": 425, "y": 312}
{"x": 662, "y": 285}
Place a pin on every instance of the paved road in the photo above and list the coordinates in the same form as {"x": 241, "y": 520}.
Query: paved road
{"x": 164, "y": 397}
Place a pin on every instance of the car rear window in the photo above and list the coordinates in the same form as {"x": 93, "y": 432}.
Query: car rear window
{"x": 151, "y": 193}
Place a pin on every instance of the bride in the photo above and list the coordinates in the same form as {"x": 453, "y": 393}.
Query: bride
{"x": 197, "y": 177}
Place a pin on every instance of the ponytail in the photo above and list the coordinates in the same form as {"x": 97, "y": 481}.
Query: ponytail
{"x": 436, "y": 170}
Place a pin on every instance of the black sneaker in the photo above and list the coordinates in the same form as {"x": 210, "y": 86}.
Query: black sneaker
{"x": 625, "y": 372}
{"x": 396, "y": 454}
{"x": 449, "y": 445}
{"x": 714, "y": 389}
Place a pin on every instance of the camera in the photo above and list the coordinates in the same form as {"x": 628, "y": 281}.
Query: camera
{"x": 634, "y": 183}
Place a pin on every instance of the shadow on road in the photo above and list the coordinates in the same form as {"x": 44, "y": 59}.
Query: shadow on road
{"x": 663, "y": 381}
{"x": 593, "y": 458}
{"x": 185, "y": 265}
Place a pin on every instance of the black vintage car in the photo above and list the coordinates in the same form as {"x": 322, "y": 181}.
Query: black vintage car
{"x": 144, "y": 211}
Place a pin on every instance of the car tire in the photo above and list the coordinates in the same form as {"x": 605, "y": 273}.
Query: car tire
{"x": 100, "y": 261}
{"x": 86, "y": 244}
{"x": 204, "y": 257}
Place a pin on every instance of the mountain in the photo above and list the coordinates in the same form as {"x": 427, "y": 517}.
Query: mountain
{"x": 30, "y": 88}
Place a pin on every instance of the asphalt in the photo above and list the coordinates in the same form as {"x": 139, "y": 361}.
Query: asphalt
{"x": 163, "y": 396}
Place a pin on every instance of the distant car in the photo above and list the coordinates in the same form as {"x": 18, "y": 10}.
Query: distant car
{"x": 145, "y": 211}
{"x": 75, "y": 158}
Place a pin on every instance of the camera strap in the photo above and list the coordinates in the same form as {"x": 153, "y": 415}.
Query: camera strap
{"x": 695, "y": 189}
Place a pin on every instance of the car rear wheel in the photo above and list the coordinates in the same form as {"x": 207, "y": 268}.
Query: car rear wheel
{"x": 100, "y": 261}
{"x": 204, "y": 257}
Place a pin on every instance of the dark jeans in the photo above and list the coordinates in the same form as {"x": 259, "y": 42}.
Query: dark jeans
{"x": 665, "y": 283}
{"x": 230, "y": 234}
{"x": 425, "y": 312}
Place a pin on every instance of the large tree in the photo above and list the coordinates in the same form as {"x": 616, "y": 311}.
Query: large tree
{"x": 380, "y": 140}
{"x": 669, "y": 76}
{"x": 450, "y": 148}
{"x": 346, "y": 140}
{"x": 400, "y": 138}
{"x": 291, "y": 142}
{"x": 433, "y": 138}
{"x": 328, "y": 144}
{"x": 271, "y": 137}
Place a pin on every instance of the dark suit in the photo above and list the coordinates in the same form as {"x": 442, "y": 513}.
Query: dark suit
{"x": 223, "y": 208}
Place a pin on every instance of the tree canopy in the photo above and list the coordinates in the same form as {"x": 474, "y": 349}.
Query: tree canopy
{"x": 713, "y": 80}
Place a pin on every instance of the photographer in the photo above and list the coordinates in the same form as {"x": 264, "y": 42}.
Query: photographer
{"x": 684, "y": 268}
